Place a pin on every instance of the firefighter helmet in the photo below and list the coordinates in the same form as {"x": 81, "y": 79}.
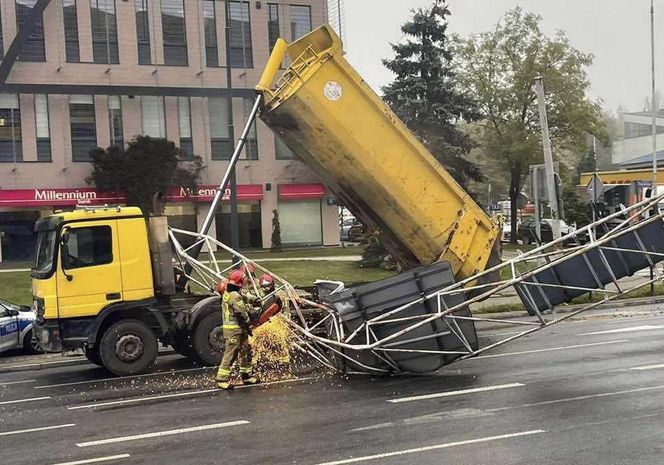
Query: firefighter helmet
{"x": 236, "y": 278}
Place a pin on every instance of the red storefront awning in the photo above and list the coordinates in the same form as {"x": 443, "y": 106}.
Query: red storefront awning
{"x": 301, "y": 191}
{"x": 89, "y": 196}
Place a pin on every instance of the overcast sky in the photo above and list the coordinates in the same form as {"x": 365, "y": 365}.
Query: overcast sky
{"x": 616, "y": 32}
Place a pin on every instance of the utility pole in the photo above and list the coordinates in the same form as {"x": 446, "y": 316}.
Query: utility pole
{"x": 653, "y": 106}
{"x": 235, "y": 234}
{"x": 548, "y": 159}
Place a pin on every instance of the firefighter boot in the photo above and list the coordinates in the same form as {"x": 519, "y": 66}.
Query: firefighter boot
{"x": 224, "y": 384}
{"x": 249, "y": 380}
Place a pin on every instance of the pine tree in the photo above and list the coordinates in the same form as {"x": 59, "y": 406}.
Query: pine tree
{"x": 425, "y": 94}
{"x": 276, "y": 232}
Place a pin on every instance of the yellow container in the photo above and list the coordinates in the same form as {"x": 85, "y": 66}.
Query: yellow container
{"x": 335, "y": 123}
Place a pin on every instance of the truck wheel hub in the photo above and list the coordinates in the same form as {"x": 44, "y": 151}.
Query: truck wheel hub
{"x": 216, "y": 339}
{"x": 129, "y": 348}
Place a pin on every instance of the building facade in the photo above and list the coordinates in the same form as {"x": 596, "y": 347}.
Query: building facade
{"x": 76, "y": 74}
{"x": 637, "y": 141}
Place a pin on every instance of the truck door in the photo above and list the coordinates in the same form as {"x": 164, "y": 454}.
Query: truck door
{"x": 8, "y": 329}
{"x": 89, "y": 273}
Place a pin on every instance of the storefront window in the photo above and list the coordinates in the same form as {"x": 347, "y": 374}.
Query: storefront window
{"x": 301, "y": 222}
{"x": 17, "y": 237}
{"x": 249, "y": 222}
{"x": 182, "y": 217}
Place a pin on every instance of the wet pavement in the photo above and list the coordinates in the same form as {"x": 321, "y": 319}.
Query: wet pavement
{"x": 588, "y": 391}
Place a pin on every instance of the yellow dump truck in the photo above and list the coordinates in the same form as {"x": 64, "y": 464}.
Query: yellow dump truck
{"x": 103, "y": 279}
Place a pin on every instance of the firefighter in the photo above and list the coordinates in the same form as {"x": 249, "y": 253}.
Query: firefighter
{"x": 236, "y": 329}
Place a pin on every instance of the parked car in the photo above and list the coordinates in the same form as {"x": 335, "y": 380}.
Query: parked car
{"x": 16, "y": 323}
{"x": 526, "y": 231}
{"x": 346, "y": 224}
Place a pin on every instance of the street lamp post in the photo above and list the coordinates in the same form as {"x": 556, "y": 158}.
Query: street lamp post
{"x": 652, "y": 98}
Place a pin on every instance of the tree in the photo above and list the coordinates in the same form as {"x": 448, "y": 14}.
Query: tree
{"x": 425, "y": 93}
{"x": 499, "y": 67}
{"x": 146, "y": 168}
{"x": 276, "y": 232}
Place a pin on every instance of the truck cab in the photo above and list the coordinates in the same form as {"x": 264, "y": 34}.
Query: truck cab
{"x": 89, "y": 263}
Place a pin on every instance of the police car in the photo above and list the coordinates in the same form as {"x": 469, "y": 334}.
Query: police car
{"x": 16, "y": 328}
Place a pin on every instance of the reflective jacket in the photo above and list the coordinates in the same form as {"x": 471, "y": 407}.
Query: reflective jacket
{"x": 234, "y": 311}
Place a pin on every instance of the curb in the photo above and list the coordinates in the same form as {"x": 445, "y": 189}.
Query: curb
{"x": 72, "y": 361}
{"x": 618, "y": 304}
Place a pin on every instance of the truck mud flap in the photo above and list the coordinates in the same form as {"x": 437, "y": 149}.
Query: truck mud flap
{"x": 360, "y": 304}
{"x": 593, "y": 269}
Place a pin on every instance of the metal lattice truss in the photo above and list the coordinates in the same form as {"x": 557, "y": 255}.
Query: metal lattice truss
{"x": 601, "y": 254}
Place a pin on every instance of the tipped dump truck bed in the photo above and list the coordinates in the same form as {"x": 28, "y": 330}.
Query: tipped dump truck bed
{"x": 325, "y": 112}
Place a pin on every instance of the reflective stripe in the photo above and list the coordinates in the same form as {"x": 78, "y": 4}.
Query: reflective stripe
{"x": 223, "y": 372}
{"x": 231, "y": 327}
{"x": 246, "y": 370}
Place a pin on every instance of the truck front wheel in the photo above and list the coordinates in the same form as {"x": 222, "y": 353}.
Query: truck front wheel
{"x": 128, "y": 347}
{"x": 208, "y": 339}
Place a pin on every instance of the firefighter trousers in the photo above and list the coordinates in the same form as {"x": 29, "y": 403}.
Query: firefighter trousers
{"x": 237, "y": 346}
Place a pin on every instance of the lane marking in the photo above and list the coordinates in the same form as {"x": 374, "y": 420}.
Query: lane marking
{"x": 455, "y": 393}
{"x": 18, "y": 401}
{"x": 18, "y": 382}
{"x": 181, "y": 394}
{"x": 103, "y": 380}
{"x": 163, "y": 433}
{"x": 436, "y": 447}
{"x": 97, "y": 460}
{"x": 631, "y": 329}
{"x": 648, "y": 367}
{"x": 586, "y": 397}
{"x": 28, "y": 365}
{"x": 31, "y": 430}
{"x": 141, "y": 399}
{"x": 550, "y": 349}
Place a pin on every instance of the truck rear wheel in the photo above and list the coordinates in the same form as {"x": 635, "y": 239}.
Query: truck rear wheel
{"x": 208, "y": 339}
{"x": 128, "y": 347}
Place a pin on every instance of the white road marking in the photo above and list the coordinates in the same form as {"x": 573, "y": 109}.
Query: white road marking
{"x": 141, "y": 399}
{"x": 648, "y": 367}
{"x": 28, "y": 365}
{"x": 181, "y": 394}
{"x": 18, "y": 401}
{"x": 76, "y": 383}
{"x": 163, "y": 433}
{"x": 31, "y": 430}
{"x": 18, "y": 382}
{"x": 631, "y": 329}
{"x": 586, "y": 397}
{"x": 436, "y": 447}
{"x": 549, "y": 349}
{"x": 97, "y": 460}
{"x": 455, "y": 393}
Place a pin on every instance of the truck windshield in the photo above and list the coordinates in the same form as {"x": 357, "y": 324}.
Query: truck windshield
{"x": 46, "y": 244}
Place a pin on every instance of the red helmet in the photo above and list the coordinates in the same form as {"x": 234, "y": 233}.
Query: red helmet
{"x": 221, "y": 286}
{"x": 236, "y": 278}
{"x": 267, "y": 281}
{"x": 250, "y": 268}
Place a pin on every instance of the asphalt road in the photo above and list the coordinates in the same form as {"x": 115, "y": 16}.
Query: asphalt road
{"x": 583, "y": 392}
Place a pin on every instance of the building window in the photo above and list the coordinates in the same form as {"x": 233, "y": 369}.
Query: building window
{"x": 83, "y": 126}
{"x": 143, "y": 32}
{"x": 90, "y": 246}
{"x": 249, "y": 224}
{"x": 104, "y": 32}
{"x": 184, "y": 119}
{"x": 115, "y": 121}
{"x": 241, "y": 53}
{"x": 33, "y": 49}
{"x": 71, "y": 31}
{"x": 210, "y": 18}
{"x": 273, "y": 31}
{"x": 251, "y": 147}
{"x": 43, "y": 129}
{"x": 282, "y": 151}
{"x": 301, "y": 222}
{"x": 175, "y": 32}
{"x": 10, "y": 129}
{"x": 152, "y": 114}
{"x": 300, "y": 21}
{"x": 222, "y": 148}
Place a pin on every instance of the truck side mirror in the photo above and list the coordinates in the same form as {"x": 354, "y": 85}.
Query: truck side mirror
{"x": 64, "y": 239}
